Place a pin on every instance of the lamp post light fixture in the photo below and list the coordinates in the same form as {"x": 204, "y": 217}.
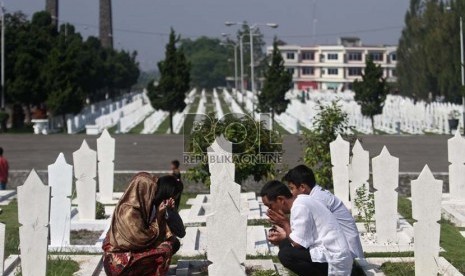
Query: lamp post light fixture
{"x": 235, "y": 45}
{"x": 252, "y": 73}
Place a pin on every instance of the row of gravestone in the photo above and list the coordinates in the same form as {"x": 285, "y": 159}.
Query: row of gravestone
{"x": 426, "y": 197}
{"x": 399, "y": 114}
{"x": 41, "y": 206}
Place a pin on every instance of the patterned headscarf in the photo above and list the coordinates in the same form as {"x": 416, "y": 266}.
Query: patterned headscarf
{"x": 131, "y": 228}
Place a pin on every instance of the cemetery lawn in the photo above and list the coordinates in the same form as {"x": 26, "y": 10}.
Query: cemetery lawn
{"x": 9, "y": 217}
{"x": 61, "y": 266}
{"x": 398, "y": 269}
{"x": 164, "y": 126}
{"x": 224, "y": 106}
{"x": 184, "y": 198}
{"x": 451, "y": 239}
{"x": 279, "y": 128}
{"x": 140, "y": 126}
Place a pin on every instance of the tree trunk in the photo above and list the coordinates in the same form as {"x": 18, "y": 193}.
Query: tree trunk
{"x": 65, "y": 125}
{"x": 272, "y": 119}
{"x": 171, "y": 122}
{"x": 373, "y": 124}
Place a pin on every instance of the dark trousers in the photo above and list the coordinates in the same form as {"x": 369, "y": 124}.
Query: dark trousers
{"x": 298, "y": 260}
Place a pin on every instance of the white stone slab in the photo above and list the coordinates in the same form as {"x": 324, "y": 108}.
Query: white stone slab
{"x": 113, "y": 201}
{"x": 340, "y": 160}
{"x": 85, "y": 169}
{"x": 359, "y": 172}
{"x": 60, "y": 180}
{"x": 386, "y": 181}
{"x": 33, "y": 215}
{"x": 2, "y": 246}
{"x": 228, "y": 265}
{"x": 106, "y": 167}
{"x": 195, "y": 242}
{"x": 456, "y": 157}
{"x": 426, "y": 209}
{"x": 6, "y": 196}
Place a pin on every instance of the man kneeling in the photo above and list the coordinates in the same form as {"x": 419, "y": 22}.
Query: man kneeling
{"x": 313, "y": 243}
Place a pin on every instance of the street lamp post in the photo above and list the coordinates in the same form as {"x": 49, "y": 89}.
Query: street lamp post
{"x": 235, "y": 45}
{"x": 252, "y": 73}
{"x": 3, "y": 59}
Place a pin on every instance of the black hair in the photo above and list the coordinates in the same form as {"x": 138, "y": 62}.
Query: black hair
{"x": 275, "y": 188}
{"x": 168, "y": 187}
{"x": 300, "y": 175}
{"x": 1, "y": 151}
{"x": 175, "y": 163}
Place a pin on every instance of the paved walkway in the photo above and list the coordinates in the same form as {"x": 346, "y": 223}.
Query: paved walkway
{"x": 154, "y": 152}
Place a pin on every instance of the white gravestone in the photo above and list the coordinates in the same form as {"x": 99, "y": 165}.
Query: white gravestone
{"x": 2, "y": 246}
{"x": 33, "y": 211}
{"x": 385, "y": 182}
{"x": 340, "y": 160}
{"x": 426, "y": 210}
{"x": 85, "y": 170}
{"x": 456, "y": 154}
{"x": 226, "y": 226}
{"x": 60, "y": 179}
{"x": 106, "y": 167}
{"x": 359, "y": 172}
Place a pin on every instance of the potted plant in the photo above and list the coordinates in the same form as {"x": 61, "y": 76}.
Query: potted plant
{"x": 454, "y": 116}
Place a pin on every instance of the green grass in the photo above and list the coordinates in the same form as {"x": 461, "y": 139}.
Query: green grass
{"x": 279, "y": 128}
{"x": 398, "y": 269}
{"x": 113, "y": 129}
{"x": 139, "y": 127}
{"x": 451, "y": 240}
{"x": 26, "y": 129}
{"x": 190, "y": 119}
{"x": 61, "y": 266}
{"x": 164, "y": 126}
{"x": 9, "y": 217}
{"x": 184, "y": 198}
{"x": 224, "y": 106}
{"x": 263, "y": 222}
{"x": 389, "y": 254}
{"x": 210, "y": 103}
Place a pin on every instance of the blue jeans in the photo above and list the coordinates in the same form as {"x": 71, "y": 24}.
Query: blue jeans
{"x": 2, "y": 186}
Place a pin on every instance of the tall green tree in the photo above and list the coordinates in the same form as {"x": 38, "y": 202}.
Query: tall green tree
{"x": 371, "y": 91}
{"x": 429, "y": 50}
{"x": 209, "y": 59}
{"x": 277, "y": 82}
{"x": 170, "y": 93}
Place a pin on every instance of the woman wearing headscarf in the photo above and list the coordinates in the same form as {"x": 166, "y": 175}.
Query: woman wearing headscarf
{"x": 139, "y": 241}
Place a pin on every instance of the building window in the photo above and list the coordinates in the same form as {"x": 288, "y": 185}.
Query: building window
{"x": 376, "y": 56}
{"x": 332, "y": 56}
{"x": 355, "y": 56}
{"x": 291, "y": 71}
{"x": 394, "y": 56}
{"x": 307, "y": 71}
{"x": 333, "y": 71}
{"x": 290, "y": 56}
{"x": 393, "y": 73}
{"x": 355, "y": 71}
{"x": 308, "y": 55}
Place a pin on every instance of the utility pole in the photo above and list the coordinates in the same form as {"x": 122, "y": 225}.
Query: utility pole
{"x": 3, "y": 58}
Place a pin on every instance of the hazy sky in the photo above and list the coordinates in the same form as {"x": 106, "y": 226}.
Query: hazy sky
{"x": 143, "y": 25}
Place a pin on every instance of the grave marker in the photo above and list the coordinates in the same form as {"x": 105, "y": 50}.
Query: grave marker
{"x": 106, "y": 167}
{"x": 426, "y": 209}
{"x": 33, "y": 215}
{"x": 456, "y": 157}
{"x": 85, "y": 170}
{"x": 340, "y": 160}
{"x": 386, "y": 181}
{"x": 60, "y": 179}
{"x": 226, "y": 226}
{"x": 359, "y": 172}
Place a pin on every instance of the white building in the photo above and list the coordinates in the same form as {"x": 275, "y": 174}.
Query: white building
{"x": 335, "y": 66}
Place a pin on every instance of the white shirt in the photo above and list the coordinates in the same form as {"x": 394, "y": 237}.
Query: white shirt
{"x": 344, "y": 218}
{"x": 314, "y": 227}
